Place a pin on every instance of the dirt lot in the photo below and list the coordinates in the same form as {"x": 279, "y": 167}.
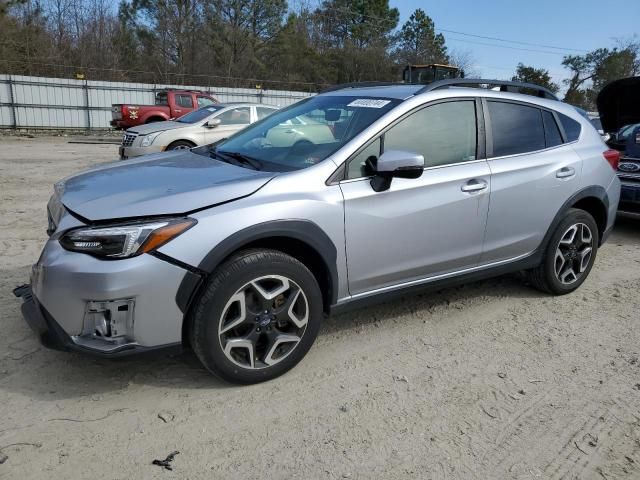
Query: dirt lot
{"x": 492, "y": 380}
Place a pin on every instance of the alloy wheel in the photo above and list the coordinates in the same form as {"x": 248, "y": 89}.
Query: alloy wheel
{"x": 573, "y": 253}
{"x": 263, "y": 322}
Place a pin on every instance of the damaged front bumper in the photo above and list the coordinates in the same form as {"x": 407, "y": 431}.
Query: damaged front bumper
{"x": 107, "y": 308}
{"x": 51, "y": 334}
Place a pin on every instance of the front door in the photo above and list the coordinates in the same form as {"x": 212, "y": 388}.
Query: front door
{"x": 231, "y": 121}
{"x": 425, "y": 227}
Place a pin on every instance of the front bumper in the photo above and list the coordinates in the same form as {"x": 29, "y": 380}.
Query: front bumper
{"x": 51, "y": 334}
{"x": 107, "y": 307}
{"x": 130, "y": 152}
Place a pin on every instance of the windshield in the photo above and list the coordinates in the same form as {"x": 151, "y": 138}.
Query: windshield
{"x": 307, "y": 132}
{"x": 596, "y": 123}
{"x": 199, "y": 115}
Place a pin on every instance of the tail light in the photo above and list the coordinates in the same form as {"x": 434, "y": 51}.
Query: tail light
{"x": 613, "y": 157}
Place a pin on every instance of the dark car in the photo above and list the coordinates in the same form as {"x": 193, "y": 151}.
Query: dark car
{"x": 619, "y": 108}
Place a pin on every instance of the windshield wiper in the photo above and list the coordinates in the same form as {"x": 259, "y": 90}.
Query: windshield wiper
{"x": 242, "y": 158}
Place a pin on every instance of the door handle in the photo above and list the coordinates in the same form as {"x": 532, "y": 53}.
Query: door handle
{"x": 474, "y": 186}
{"x": 566, "y": 172}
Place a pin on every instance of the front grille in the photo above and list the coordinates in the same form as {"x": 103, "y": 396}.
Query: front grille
{"x": 127, "y": 139}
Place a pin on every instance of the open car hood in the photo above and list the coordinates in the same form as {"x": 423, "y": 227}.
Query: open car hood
{"x": 619, "y": 104}
{"x": 167, "y": 183}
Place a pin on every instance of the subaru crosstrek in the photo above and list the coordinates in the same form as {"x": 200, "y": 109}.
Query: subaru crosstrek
{"x": 240, "y": 248}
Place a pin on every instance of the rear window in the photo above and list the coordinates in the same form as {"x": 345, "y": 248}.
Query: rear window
{"x": 515, "y": 128}
{"x": 551, "y": 131}
{"x": 571, "y": 128}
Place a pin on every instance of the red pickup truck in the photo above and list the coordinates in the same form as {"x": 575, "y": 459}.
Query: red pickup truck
{"x": 169, "y": 104}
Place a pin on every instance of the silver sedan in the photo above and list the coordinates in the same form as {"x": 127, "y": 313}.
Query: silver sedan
{"x": 200, "y": 127}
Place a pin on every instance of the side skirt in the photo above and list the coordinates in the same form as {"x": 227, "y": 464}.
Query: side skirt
{"x": 351, "y": 304}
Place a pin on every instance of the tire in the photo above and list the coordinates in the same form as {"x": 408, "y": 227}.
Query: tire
{"x": 180, "y": 145}
{"x": 261, "y": 300}
{"x": 565, "y": 265}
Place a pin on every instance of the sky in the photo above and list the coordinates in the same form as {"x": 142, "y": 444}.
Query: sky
{"x": 574, "y": 26}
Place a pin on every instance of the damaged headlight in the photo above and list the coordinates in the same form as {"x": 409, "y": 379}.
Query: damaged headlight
{"x": 127, "y": 240}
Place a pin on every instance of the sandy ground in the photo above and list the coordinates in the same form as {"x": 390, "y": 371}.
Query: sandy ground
{"x": 492, "y": 380}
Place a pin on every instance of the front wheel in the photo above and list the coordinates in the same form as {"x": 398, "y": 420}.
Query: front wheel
{"x": 180, "y": 145}
{"x": 569, "y": 256}
{"x": 257, "y": 318}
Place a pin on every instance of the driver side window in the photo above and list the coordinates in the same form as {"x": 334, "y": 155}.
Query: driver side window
{"x": 444, "y": 133}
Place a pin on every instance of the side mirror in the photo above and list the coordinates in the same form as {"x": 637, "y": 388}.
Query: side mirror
{"x": 394, "y": 163}
{"x": 213, "y": 123}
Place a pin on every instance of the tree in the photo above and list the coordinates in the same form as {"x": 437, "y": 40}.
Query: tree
{"x": 418, "y": 42}
{"x": 464, "y": 60}
{"x": 356, "y": 36}
{"x": 537, "y": 76}
{"x": 239, "y": 29}
{"x": 592, "y": 71}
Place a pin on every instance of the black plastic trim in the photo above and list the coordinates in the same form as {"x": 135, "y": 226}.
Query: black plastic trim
{"x": 189, "y": 285}
{"x": 529, "y": 262}
{"x": 481, "y": 131}
{"x": 594, "y": 191}
{"x": 302, "y": 230}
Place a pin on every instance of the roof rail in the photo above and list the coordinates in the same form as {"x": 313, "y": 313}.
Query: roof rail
{"x": 343, "y": 86}
{"x": 503, "y": 84}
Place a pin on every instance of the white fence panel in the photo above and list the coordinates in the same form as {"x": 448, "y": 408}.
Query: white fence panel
{"x": 60, "y": 103}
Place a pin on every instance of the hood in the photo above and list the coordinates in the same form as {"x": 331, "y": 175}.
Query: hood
{"x": 161, "y": 184}
{"x": 157, "y": 127}
{"x": 619, "y": 104}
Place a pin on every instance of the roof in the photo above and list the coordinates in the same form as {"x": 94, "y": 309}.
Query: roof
{"x": 403, "y": 91}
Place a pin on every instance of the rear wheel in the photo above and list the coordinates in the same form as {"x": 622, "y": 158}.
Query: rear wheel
{"x": 180, "y": 145}
{"x": 257, "y": 318}
{"x": 569, "y": 256}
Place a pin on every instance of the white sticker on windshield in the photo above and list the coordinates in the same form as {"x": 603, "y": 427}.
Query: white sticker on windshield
{"x": 369, "y": 103}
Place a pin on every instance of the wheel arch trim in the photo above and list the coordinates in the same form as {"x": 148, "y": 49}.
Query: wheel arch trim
{"x": 303, "y": 231}
{"x": 594, "y": 191}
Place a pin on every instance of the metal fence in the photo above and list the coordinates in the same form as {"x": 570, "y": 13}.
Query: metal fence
{"x": 59, "y": 103}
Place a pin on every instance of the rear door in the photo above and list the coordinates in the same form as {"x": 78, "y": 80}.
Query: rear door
{"x": 423, "y": 227}
{"x": 534, "y": 170}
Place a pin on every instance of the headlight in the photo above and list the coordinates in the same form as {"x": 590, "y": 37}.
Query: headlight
{"x": 148, "y": 139}
{"x": 123, "y": 241}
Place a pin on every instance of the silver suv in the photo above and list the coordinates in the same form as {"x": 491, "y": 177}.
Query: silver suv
{"x": 240, "y": 248}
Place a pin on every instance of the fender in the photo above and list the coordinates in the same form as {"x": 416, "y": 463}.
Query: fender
{"x": 302, "y": 230}
{"x": 594, "y": 191}
{"x": 146, "y": 117}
